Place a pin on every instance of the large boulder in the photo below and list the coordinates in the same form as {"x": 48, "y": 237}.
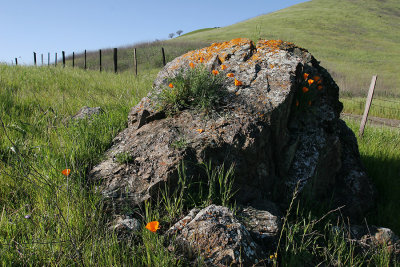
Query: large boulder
{"x": 280, "y": 128}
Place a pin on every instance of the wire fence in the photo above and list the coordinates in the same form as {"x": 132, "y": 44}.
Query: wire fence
{"x": 384, "y": 111}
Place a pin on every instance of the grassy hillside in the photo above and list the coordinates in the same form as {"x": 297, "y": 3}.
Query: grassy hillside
{"x": 353, "y": 39}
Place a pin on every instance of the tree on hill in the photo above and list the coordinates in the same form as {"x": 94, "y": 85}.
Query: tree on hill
{"x": 179, "y": 32}
{"x": 171, "y": 35}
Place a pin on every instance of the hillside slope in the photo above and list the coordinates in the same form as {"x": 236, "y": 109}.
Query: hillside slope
{"x": 353, "y": 39}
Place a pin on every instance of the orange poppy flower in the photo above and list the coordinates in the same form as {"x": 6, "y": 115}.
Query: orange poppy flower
{"x": 191, "y": 65}
{"x": 215, "y": 72}
{"x": 153, "y": 226}
{"x": 320, "y": 87}
{"x": 238, "y": 83}
{"x": 201, "y": 60}
{"x": 319, "y": 81}
{"x": 305, "y": 89}
{"x": 297, "y": 103}
{"x": 171, "y": 85}
{"x": 309, "y": 102}
{"x": 223, "y": 67}
{"x": 66, "y": 172}
{"x": 305, "y": 75}
{"x": 310, "y": 81}
{"x": 316, "y": 78}
{"x": 230, "y": 75}
{"x": 200, "y": 130}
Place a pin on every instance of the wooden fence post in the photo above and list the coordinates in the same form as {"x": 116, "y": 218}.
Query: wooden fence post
{"x": 115, "y": 60}
{"x": 85, "y": 60}
{"x": 63, "y": 58}
{"x": 16, "y": 62}
{"x": 135, "y": 60}
{"x": 48, "y": 59}
{"x": 100, "y": 60}
{"x": 41, "y": 55}
{"x": 163, "y": 55}
{"x": 73, "y": 59}
{"x": 34, "y": 58}
{"x": 55, "y": 62}
{"x": 367, "y": 105}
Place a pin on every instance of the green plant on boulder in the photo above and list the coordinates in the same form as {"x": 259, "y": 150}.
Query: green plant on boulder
{"x": 124, "y": 158}
{"x": 195, "y": 88}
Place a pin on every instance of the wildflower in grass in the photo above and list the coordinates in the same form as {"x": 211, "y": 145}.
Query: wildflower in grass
{"x": 223, "y": 67}
{"x": 191, "y": 65}
{"x": 310, "y": 81}
{"x": 215, "y": 72}
{"x": 305, "y": 89}
{"x": 320, "y": 87}
{"x": 238, "y": 83}
{"x": 230, "y": 75}
{"x": 297, "y": 103}
{"x": 153, "y": 226}
{"x": 66, "y": 172}
{"x": 319, "y": 81}
{"x": 305, "y": 75}
{"x": 171, "y": 85}
{"x": 316, "y": 78}
{"x": 201, "y": 60}
{"x": 200, "y": 130}
{"x": 309, "y": 102}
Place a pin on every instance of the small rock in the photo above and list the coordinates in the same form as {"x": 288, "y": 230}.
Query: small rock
{"x": 86, "y": 113}
{"x": 125, "y": 225}
{"x": 219, "y": 238}
{"x": 263, "y": 226}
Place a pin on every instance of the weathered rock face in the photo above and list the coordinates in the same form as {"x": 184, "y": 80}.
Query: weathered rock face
{"x": 216, "y": 235}
{"x": 280, "y": 128}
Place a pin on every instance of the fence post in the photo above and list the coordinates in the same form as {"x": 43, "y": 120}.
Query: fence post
{"x": 55, "y": 62}
{"x": 135, "y": 60}
{"x": 163, "y": 55}
{"x": 367, "y": 105}
{"x": 63, "y": 58}
{"x": 41, "y": 55}
{"x": 48, "y": 59}
{"x": 115, "y": 60}
{"x": 16, "y": 62}
{"x": 34, "y": 58}
{"x": 73, "y": 59}
{"x": 100, "y": 59}
{"x": 85, "y": 60}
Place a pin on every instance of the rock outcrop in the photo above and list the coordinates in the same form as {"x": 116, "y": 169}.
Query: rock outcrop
{"x": 278, "y": 124}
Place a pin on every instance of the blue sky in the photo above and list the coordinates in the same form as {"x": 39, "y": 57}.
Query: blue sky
{"x": 52, "y": 26}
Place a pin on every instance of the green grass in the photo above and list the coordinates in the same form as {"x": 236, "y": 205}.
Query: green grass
{"x": 380, "y": 153}
{"x": 64, "y": 223}
{"x": 353, "y": 39}
{"x": 196, "y": 88}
